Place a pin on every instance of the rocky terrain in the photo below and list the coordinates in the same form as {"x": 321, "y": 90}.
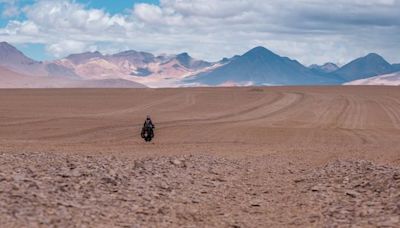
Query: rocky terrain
{"x": 356, "y": 194}
{"x": 39, "y": 189}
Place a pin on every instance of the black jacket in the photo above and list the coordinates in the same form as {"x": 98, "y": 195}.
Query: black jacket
{"x": 149, "y": 123}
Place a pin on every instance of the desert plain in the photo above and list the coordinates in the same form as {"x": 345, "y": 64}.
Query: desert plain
{"x": 221, "y": 157}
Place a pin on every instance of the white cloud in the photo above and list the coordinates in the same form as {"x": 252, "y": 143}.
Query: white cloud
{"x": 148, "y": 13}
{"x": 10, "y": 8}
{"x": 312, "y": 31}
{"x": 66, "y": 16}
{"x": 11, "y": 11}
{"x": 66, "y": 47}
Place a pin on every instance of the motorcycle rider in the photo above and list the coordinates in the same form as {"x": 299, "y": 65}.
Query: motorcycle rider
{"x": 148, "y": 123}
{"x": 148, "y": 127}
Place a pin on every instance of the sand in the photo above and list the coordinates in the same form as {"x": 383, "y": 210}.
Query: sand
{"x": 227, "y": 157}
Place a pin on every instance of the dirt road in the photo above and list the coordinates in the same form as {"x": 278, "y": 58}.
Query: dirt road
{"x": 239, "y": 157}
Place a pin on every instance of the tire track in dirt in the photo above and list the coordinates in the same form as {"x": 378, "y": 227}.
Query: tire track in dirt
{"x": 391, "y": 109}
{"x": 257, "y": 107}
{"x": 340, "y": 114}
{"x": 319, "y": 117}
{"x": 334, "y": 109}
{"x": 291, "y": 113}
{"x": 356, "y": 119}
{"x": 354, "y": 116}
{"x": 322, "y": 111}
{"x": 296, "y": 99}
{"x": 190, "y": 99}
{"x": 348, "y": 116}
{"x": 93, "y": 115}
{"x": 281, "y": 103}
{"x": 92, "y": 130}
{"x": 360, "y": 112}
{"x": 212, "y": 130}
{"x": 275, "y": 107}
{"x": 86, "y": 131}
{"x": 288, "y": 102}
{"x": 361, "y": 138}
{"x": 348, "y": 112}
{"x": 185, "y": 101}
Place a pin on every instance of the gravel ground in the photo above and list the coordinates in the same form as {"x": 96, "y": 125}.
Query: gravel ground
{"x": 50, "y": 190}
{"x": 356, "y": 193}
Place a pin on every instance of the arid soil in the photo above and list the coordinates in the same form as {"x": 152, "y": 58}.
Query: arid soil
{"x": 223, "y": 157}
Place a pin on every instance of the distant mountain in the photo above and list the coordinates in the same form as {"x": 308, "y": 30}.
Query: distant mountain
{"x": 83, "y": 57}
{"x": 104, "y": 83}
{"x": 11, "y": 79}
{"x": 94, "y": 65}
{"x": 326, "y": 68}
{"x": 260, "y": 66}
{"x": 228, "y": 60}
{"x": 188, "y": 62}
{"x": 19, "y": 71}
{"x": 132, "y": 65}
{"x": 55, "y": 70}
{"x": 396, "y": 67}
{"x": 133, "y": 57}
{"x": 365, "y": 67}
{"x": 13, "y": 59}
{"x": 9, "y": 55}
{"x": 386, "y": 79}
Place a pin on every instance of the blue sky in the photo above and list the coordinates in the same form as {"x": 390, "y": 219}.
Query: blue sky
{"x": 115, "y": 6}
{"x": 311, "y": 31}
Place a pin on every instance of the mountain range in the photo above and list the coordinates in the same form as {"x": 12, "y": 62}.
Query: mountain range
{"x": 258, "y": 66}
{"x": 365, "y": 67}
{"x": 19, "y": 71}
{"x": 325, "y": 68}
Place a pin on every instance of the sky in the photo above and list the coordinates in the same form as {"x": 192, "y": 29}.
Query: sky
{"x": 310, "y": 31}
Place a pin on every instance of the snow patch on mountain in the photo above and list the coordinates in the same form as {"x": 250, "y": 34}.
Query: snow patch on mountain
{"x": 386, "y": 79}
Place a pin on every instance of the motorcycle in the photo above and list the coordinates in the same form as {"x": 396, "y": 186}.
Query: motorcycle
{"x": 147, "y": 133}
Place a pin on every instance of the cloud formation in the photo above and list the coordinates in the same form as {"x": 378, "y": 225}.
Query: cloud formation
{"x": 10, "y": 8}
{"x": 312, "y": 31}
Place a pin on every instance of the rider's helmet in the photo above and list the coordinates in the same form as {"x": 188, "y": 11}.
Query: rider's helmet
{"x": 148, "y": 117}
